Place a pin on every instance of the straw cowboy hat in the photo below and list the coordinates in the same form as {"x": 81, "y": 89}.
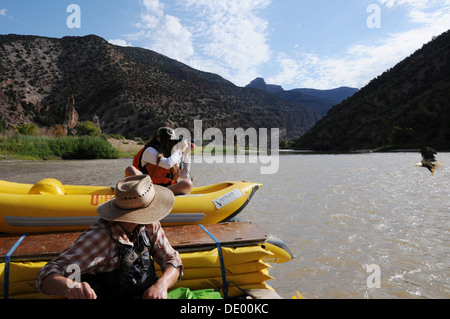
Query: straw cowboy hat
{"x": 138, "y": 201}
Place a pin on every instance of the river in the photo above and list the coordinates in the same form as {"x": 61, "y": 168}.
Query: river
{"x": 360, "y": 225}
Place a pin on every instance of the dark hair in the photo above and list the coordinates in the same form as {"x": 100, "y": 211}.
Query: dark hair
{"x": 164, "y": 146}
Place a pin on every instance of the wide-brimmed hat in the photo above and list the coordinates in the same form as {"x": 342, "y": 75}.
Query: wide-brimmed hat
{"x": 138, "y": 201}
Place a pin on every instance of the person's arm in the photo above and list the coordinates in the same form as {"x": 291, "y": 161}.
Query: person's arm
{"x": 159, "y": 289}
{"x": 89, "y": 252}
{"x": 150, "y": 155}
{"x": 168, "y": 259}
{"x": 55, "y": 284}
{"x": 186, "y": 159}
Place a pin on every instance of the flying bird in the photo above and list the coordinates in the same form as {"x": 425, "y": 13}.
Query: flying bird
{"x": 428, "y": 160}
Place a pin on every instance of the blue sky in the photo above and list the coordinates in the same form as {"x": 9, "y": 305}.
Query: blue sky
{"x": 319, "y": 44}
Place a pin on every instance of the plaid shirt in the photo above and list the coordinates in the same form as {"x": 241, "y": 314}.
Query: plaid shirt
{"x": 97, "y": 251}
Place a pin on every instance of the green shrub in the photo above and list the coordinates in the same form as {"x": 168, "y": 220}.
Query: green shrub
{"x": 87, "y": 129}
{"x": 71, "y": 147}
{"x": 88, "y": 147}
{"x": 27, "y": 129}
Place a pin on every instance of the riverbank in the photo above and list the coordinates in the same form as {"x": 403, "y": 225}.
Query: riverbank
{"x": 126, "y": 148}
{"x": 24, "y": 147}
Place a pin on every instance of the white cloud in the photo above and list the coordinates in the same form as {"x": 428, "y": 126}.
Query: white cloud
{"x": 414, "y": 3}
{"x": 231, "y": 39}
{"x": 224, "y": 37}
{"x": 154, "y": 7}
{"x": 362, "y": 62}
{"x": 120, "y": 42}
{"x": 421, "y": 11}
{"x": 162, "y": 32}
{"x": 173, "y": 40}
{"x": 234, "y": 39}
{"x": 2, "y": 12}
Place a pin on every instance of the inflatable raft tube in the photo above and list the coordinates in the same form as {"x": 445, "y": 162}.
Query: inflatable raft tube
{"x": 49, "y": 206}
{"x": 252, "y": 273}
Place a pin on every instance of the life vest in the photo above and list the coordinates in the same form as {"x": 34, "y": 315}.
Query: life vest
{"x": 135, "y": 274}
{"x": 137, "y": 161}
{"x": 159, "y": 175}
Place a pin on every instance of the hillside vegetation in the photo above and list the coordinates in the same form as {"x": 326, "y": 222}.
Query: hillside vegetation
{"x": 407, "y": 106}
{"x": 130, "y": 91}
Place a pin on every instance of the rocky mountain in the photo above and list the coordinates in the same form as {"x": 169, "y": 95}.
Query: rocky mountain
{"x": 407, "y": 106}
{"x": 260, "y": 83}
{"x": 129, "y": 90}
{"x": 320, "y": 101}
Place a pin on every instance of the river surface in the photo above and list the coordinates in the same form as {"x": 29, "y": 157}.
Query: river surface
{"x": 349, "y": 219}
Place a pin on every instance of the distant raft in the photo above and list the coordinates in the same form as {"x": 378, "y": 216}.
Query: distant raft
{"x": 50, "y": 206}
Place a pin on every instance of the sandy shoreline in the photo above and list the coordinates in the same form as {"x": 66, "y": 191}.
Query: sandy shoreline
{"x": 125, "y": 146}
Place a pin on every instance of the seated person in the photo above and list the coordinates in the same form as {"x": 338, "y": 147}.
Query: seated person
{"x": 114, "y": 256}
{"x": 157, "y": 160}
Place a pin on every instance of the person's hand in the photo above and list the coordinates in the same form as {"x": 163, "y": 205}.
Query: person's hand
{"x": 155, "y": 292}
{"x": 184, "y": 145}
{"x": 159, "y": 289}
{"x": 81, "y": 291}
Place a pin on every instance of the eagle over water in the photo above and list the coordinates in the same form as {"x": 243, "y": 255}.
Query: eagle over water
{"x": 428, "y": 160}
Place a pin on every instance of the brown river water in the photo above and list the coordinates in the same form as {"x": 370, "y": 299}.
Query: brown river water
{"x": 360, "y": 226}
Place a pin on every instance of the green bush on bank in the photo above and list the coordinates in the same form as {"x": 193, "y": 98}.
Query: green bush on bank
{"x": 87, "y": 128}
{"x": 69, "y": 147}
{"x": 27, "y": 129}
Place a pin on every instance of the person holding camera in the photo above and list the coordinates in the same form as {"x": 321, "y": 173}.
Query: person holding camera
{"x": 165, "y": 168}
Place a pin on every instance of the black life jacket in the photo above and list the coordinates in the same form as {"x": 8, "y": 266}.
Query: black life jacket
{"x": 135, "y": 274}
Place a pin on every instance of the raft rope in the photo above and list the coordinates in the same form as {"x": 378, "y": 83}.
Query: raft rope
{"x": 7, "y": 262}
{"x": 222, "y": 264}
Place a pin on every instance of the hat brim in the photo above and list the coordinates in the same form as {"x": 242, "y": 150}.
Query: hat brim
{"x": 159, "y": 208}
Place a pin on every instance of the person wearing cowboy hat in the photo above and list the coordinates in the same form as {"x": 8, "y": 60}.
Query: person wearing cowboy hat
{"x": 113, "y": 257}
{"x": 162, "y": 159}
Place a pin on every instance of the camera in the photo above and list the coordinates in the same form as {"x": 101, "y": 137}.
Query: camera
{"x": 182, "y": 138}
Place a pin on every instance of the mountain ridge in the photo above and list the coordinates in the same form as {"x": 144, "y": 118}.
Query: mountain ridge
{"x": 319, "y": 101}
{"x": 408, "y": 106}
{"x": 127, "y": 90}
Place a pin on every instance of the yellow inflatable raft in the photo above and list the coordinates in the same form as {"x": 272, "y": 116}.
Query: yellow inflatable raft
{"x": 49, "y": 206}
{"x": 245, "y": 268}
